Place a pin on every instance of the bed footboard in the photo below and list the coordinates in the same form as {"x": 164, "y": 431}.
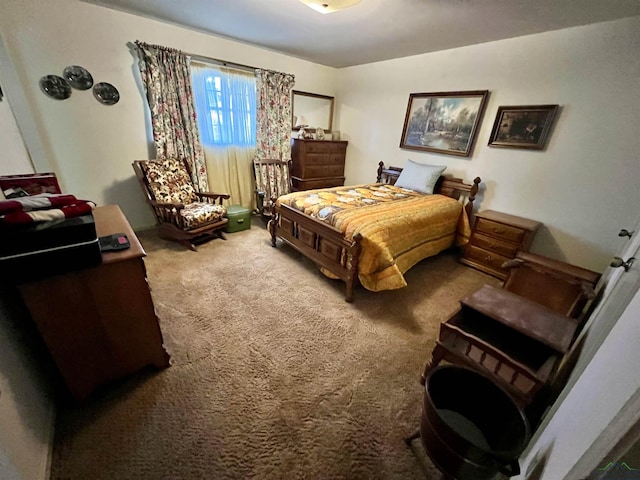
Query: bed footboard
{"x": 321, "y": 243}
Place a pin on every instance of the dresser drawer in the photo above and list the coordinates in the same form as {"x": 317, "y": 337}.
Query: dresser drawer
{"x": 500, "y": 230}
{"x": 301, "y": 184}
{"x": 319, "y": 171}
{"x": 495, "y": 245}
{"x": 485, "y": 257}
{"x": 325, "y": 147}
{"x": 324, "y": 159}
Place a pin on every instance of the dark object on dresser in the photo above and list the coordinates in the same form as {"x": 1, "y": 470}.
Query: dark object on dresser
{"x": 182, "y": 214}
{"x": 317, "y": 163}
{"x": 496, "y": 237}
{"x": 38, "y": 250}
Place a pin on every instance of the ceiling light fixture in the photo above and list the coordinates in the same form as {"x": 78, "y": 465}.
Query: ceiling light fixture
{"x": 329, "y": 6}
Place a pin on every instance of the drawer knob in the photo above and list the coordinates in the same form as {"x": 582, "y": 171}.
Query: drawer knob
{"x": 498, "y": 230}
{"x": 488, "y": 258}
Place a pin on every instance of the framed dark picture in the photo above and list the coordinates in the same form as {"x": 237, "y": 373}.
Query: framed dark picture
{"x": 444, "y": 122}
{"x": 523, "y": 126}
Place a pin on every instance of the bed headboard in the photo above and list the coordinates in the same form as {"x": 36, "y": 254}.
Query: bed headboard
{"x": 450, "y": 186}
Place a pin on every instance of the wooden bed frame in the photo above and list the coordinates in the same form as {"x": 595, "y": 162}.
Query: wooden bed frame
{"x": 327, "y": 246}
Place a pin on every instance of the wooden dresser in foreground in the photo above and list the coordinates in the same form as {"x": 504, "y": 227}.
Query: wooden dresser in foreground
{"x": 99, "y": 323}
{"x": 317, "y": 163}
{"x": 495, "y": 238}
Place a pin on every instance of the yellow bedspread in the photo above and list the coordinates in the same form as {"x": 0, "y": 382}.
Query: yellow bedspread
{"x": 399, "y": 227}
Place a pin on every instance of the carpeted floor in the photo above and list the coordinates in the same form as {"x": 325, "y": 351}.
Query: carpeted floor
{"x": 273, "y": 374}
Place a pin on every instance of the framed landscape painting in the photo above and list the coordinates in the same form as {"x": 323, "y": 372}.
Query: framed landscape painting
{"x": 444, "y": 122}
{"x": 523, "y": 126}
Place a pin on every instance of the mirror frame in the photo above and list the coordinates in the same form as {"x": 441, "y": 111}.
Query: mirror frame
{"x": 314, "y": 95}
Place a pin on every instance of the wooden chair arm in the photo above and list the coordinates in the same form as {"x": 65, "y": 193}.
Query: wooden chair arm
{"x": 214, "y": 196}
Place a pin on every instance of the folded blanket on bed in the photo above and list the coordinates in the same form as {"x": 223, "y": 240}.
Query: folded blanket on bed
{"x": 42, "y": 208}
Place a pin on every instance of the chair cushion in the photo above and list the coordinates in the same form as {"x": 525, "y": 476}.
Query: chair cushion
{"x": 169, "y": 181}
{"x": 199, "y": 214}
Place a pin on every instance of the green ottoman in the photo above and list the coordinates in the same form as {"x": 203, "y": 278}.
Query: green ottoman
{"x": 239, "y": 218}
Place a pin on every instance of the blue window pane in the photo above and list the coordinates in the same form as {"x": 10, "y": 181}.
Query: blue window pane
{"x": 225, "y": 105}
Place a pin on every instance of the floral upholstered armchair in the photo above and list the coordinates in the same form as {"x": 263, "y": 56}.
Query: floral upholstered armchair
{"x": 273, "y": 179}
{"x": 182, "y": 214}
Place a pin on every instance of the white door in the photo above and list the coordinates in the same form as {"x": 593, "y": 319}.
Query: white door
{"x": 620, "y": 285}
{"x": 600, "y": 402}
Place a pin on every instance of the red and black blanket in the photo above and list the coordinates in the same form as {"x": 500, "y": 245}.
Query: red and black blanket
{"x": 42, "y": 208}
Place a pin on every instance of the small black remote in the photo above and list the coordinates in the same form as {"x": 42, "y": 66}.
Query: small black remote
{"x": 117, "y": 241}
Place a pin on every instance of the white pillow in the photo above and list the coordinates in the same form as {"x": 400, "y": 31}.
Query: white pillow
{"x": 419, "y": 176}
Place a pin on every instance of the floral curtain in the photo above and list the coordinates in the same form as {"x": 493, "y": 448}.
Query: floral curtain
{"x": 273, "y": 129}
{"x": 167, "y": 80}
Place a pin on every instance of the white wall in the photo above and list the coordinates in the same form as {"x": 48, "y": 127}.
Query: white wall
{"x": 26, "y": 405}
{"x": 583, "y": 187}
{"x": 26, "y": 408}
{"x": 89, "y": 145}
{"x": 14, "y": 157}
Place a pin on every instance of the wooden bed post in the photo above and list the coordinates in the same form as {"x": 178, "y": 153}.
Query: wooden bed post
{"x": 472, "y": 196}
{"x": 272, "y": 226}
{"x": 354, "y": 254}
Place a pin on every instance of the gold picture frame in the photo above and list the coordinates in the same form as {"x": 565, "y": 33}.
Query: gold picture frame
{"x": 443, "y": 122}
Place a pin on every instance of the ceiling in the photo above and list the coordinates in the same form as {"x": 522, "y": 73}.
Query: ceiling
{"x": 374, "y": 30}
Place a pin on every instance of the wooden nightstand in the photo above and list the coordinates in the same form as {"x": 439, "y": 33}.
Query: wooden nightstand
{"x": 496, "y": 237}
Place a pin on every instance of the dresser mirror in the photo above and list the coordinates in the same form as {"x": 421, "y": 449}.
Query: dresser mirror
{"x": 313, "y": 110}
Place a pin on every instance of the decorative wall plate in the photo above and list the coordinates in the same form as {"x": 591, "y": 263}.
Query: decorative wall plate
{"x": 106, "y": 93}
{"x": 78, "y": 77}
{"x": 55, "y": 87}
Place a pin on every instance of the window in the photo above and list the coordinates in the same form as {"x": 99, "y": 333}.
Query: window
{"x": 225, "y": 105}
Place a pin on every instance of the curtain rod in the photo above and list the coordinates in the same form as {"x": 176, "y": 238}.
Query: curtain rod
{"x": 227, "y": 63}
{"x": 220, "y": 61}
{"x": 204, "y": 58}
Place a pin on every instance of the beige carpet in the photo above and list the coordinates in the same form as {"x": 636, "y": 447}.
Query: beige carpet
{"x": 273, "y": 374}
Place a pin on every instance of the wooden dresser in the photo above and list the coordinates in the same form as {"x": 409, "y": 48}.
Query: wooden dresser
{"x": 317, "y": 163}
{"x": 496, "y": 237}
{"x": 99, "y": 323}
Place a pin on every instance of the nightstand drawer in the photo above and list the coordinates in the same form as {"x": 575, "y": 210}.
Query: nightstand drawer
{"x": 485, "y": 257}
{"x": 495, "y": 245}
{"x": 500, "y": 230}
